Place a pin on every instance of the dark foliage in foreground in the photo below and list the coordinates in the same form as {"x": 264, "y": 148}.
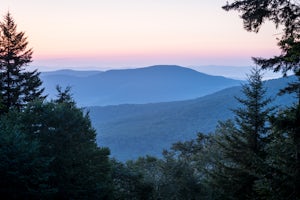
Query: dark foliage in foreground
{"x": 52, "y": 153}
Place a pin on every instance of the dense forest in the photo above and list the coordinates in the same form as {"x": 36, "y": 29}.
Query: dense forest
{"x": 48, "y": 148}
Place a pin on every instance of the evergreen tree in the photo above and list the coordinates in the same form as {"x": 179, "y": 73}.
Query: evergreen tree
{"x": 284, "y": 13}
{"x": 282, "y": 180}
{"x": 17, "y": 86}
{"x": 81, "y": 169}
{"x": 24, "y": 173}
{"x": 243, "y": 141}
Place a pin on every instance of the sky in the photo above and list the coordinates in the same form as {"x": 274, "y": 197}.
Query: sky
{"x": 106, "y": 34}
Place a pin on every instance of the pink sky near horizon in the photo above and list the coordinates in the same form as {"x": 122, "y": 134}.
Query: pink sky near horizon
{"x": 131, "y": 33}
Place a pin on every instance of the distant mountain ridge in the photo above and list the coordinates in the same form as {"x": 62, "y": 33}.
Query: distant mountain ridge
{"x": 136, "y": 130}
{"x": 160, "y": 83}
{"x": 70, "y": 72}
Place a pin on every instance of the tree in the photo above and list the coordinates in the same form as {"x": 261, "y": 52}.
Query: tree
{"x": 81, "y": 169}
{"x": 48, "y": 151}
{"x": 282, "y": 179}
{"x": 180, "y": 179}
{"x": 194, "y": 158}
{"x": 242, "y": 142}
{"x": 180, "y": 174}
{"x": 129, "y": 181}
{"x": 64, "y": 96}
{"x": 24, "y": 173}
{"x": 17, "y": 86}
{"x": 281, "y": 12}
{"x": 284, "y": 13}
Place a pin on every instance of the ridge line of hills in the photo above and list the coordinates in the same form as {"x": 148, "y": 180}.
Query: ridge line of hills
{"x": 161, "y": 83}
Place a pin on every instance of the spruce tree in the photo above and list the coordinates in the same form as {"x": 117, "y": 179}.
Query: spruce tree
{"x": 80, "y": 169}
{"x": 24, "y": 172}
{"x": 282, "y": 179}
{"x": 242, "y": 142}
{"x": 284, "y": 14}
{"x": 18, "y": 86}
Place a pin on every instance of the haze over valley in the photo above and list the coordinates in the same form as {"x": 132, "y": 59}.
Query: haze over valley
{"x": 139, "y": 112}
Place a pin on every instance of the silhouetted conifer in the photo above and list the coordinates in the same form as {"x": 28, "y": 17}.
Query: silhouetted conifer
{"x": 284, "y": 14}
{"x": 17, "y": 85}
{"x": 242, "y": 143}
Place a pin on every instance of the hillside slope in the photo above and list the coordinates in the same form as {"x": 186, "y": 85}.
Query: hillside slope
{"x": 136, "y": 130}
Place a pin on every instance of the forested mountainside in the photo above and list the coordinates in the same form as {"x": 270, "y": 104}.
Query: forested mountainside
{"x": 132, "y": 130}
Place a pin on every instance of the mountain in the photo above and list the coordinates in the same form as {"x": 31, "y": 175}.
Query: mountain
{"x": 160, "y": 83}
{"x": 70, "y": 72}
{"x": 136, "y": 130}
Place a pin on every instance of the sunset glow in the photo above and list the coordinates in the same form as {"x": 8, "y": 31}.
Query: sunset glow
{"x": 134, "y": 33}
